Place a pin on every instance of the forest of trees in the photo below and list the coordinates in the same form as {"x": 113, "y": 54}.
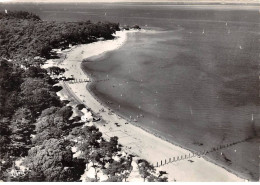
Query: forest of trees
{"x": 24, "y": 35}
{"x": 34, "y": 123}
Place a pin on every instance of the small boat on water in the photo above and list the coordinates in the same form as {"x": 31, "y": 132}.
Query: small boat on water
{"x": 203, "y": 31}
{"x": 191, "y": 112}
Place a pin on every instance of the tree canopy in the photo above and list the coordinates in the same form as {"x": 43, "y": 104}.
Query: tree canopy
{"x": 53, "y": 161}
{"x": 34, "y": 122}
{"x": 23, "y": 36}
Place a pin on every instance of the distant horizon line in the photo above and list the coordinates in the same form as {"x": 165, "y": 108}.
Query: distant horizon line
{"x": 191, "y": 2}
{"x": 163, "y": 2}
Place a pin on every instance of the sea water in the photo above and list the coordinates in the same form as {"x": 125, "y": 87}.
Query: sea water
{"x": 191, "y": 75}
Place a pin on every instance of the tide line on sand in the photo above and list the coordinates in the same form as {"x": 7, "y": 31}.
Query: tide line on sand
{"x": 134, "y": 139}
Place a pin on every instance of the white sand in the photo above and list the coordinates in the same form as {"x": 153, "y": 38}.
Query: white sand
{"x": 134, "y": 139}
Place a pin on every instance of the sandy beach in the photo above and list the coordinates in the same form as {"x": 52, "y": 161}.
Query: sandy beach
{"x": 134, "y": 139}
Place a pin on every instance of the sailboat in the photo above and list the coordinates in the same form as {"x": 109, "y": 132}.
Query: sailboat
{"x": 203, "y": 31}
{"x": 105, "y": 13}
{"x": 191, "y": 110}
{"x": 252, "y": 117}
{"x": 226, "y": 23}
{"x": 6, "y": 11}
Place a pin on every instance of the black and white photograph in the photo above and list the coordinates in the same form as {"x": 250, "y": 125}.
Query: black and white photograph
{"x": 130, "y": 91}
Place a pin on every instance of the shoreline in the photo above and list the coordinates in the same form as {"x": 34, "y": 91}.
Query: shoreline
{"x": 208, "y": 159}
{"x": 140, "y": 141}
{"x": 154, "y": 133}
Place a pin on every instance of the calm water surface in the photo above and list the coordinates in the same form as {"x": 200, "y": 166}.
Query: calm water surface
{"x": 192, "y": 78}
